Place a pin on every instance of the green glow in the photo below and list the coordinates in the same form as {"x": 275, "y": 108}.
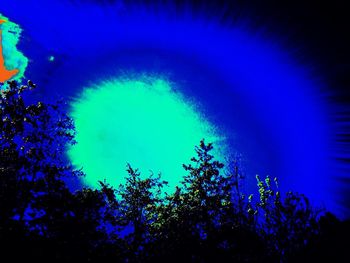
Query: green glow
{"x": 51, "y": 58}
{"x": 143, "y": 122}
{"x": 14, "y": 59}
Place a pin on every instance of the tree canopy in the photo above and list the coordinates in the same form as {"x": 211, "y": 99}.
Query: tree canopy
{"x": 208, "y": 218}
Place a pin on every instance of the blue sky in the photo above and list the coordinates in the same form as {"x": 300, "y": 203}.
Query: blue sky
{"x": 247, "y": 83}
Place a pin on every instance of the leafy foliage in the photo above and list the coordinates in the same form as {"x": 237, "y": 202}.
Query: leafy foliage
{"x": 208, "y": 218}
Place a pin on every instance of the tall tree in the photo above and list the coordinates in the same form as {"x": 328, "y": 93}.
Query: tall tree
{"x": 33, "y": 140}
{"x": 139, "y": 199}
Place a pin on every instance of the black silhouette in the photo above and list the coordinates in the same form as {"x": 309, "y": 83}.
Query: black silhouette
{"x": 207, "y": 219}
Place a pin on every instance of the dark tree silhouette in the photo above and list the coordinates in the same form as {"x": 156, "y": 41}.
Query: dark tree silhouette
{"x": 200, "y": 222}
{"x": 36, "y": 204}
{"x": 139, "y": 199}
{"x": 286, "y": 224}
{"x": 208, "y": 218}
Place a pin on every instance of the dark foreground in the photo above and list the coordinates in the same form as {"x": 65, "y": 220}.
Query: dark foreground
{"x": 207, "y": 219}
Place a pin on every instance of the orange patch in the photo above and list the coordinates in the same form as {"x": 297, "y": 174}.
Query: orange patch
{"x": 5, "y": 74}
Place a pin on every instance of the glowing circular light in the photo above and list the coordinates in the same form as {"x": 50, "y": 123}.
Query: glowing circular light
{"x": 273, "y": 108}
{"x": 143, "y": 122}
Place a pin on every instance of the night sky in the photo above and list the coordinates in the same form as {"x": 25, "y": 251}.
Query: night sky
{"x": 268, "y": 81}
